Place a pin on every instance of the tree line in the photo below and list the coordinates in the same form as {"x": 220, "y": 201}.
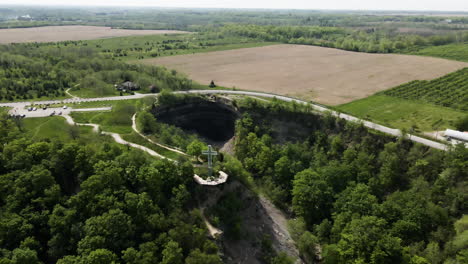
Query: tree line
{"x": 362, "y": 40}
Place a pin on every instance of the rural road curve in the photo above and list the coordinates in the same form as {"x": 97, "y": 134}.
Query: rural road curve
{"x": 384, "y": 129}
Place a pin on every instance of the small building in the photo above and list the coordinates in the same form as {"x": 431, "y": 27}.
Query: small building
{"x": 457, "y": 135}
{"x": 24, "y": 18}
{"x": 128, "y": 86}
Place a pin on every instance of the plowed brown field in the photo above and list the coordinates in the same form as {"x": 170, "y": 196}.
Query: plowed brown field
{"x": 325, "y": 75}
{"x": 62, "y": 33}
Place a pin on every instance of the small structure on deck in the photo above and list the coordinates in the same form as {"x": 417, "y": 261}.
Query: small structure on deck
{"x": 127, "y": 87}
{"x": 211, "y": 180}
{"x": 457, "y": 135}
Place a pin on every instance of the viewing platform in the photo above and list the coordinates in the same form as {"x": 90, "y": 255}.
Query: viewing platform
{"x": 212, "y": 182}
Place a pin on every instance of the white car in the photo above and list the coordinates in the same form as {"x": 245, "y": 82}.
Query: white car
{"x": 34, "y": 108}
{"x": 65, "y": 107}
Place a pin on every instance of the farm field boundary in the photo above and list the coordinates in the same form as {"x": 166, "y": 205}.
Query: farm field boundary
{"x": 324, "y": 75}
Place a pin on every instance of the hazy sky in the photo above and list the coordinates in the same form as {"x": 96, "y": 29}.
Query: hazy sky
{"x": 442, "y": 5}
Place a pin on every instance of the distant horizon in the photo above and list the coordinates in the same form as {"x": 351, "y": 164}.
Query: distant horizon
{"x": 300, "y": 5}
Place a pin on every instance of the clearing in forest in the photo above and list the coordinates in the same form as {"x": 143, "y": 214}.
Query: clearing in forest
{"x": 62, "y": 33}
{"x": 324, "y": 75}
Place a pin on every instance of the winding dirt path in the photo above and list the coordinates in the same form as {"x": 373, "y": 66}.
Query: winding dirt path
{"x": 117, "y": 138}
{"x": 134, "y": 127}
{"x": 71, "y": 95}
{"x": 214, "y": 232}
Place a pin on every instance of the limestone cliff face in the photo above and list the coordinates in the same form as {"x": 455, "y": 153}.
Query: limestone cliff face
{"x": 212, "y": 120}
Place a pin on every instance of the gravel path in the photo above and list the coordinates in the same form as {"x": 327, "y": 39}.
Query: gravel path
{"x": 134, "y": 127}
{"x": 117, "y": 138}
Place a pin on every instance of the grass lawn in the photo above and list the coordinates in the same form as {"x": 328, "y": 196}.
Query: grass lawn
{"x": 91, "y": 93}
{"x": 108, "y": 121}
{"x": 400, "y": 113}
{"x": 135, "y": 138}
{"x": 4, "y": 110}
{"x": 457, "y": 52}
{"x": 55, "y": 127}
{"x": 125, "y": 130}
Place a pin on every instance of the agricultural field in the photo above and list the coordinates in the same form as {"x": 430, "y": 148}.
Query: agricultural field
{"x": 324, "y": 75}
{"x": 63, "y": 33}
{"x": 448, "y": 91}
{"x": 457, "y": 52}
{"x": 402, "y": 113}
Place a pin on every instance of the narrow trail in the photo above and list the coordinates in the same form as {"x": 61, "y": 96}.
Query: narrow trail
{"x": 117, "y": 138}
{"x": 134, "y": 127}
{"x": 214, "y": 232}
{"x": 68, "y": 93}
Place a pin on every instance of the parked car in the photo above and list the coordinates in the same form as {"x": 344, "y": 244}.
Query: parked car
{"x": 34, "y": 108}
{"x": 65, "y": 107}
{"x": 60, "y": 113}
{"x": 30, "y": 109}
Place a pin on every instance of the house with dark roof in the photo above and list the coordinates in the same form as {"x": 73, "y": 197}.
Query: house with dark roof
{"x": 128, "y": 86}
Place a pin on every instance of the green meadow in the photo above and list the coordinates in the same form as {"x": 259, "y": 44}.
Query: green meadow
{"x": 457, "y": 51}
{"x": 402, "y": 114}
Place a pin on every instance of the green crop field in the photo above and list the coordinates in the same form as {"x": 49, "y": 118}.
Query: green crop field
{"x": 452, "y": 51}
{"x": 402, "y": 113}
{"x": 448, "y": 91}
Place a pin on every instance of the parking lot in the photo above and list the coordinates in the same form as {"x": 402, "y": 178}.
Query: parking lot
{"x": 40, "y": 112}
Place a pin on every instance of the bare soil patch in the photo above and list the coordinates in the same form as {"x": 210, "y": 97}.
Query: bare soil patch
{"x": 62, "y": 33}
{"x": 324, "y": 75}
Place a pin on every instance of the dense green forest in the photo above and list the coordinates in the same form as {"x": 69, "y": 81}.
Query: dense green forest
{"x": 364, "y": 197}
{"x": 450, "y": 90}
{"x": 375, "y": 199}
{"x": 75, "y": 202}
{"x": 353, "y": 195}
{"x": 30, "y": 71}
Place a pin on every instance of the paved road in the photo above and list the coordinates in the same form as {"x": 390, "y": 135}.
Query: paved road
{"x": 384, "y": 129}
{"x": 319, "y": 108}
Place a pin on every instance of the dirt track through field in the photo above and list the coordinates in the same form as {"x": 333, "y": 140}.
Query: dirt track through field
{"x": 62, "y": 33}
{"x": 324, "y": 75}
